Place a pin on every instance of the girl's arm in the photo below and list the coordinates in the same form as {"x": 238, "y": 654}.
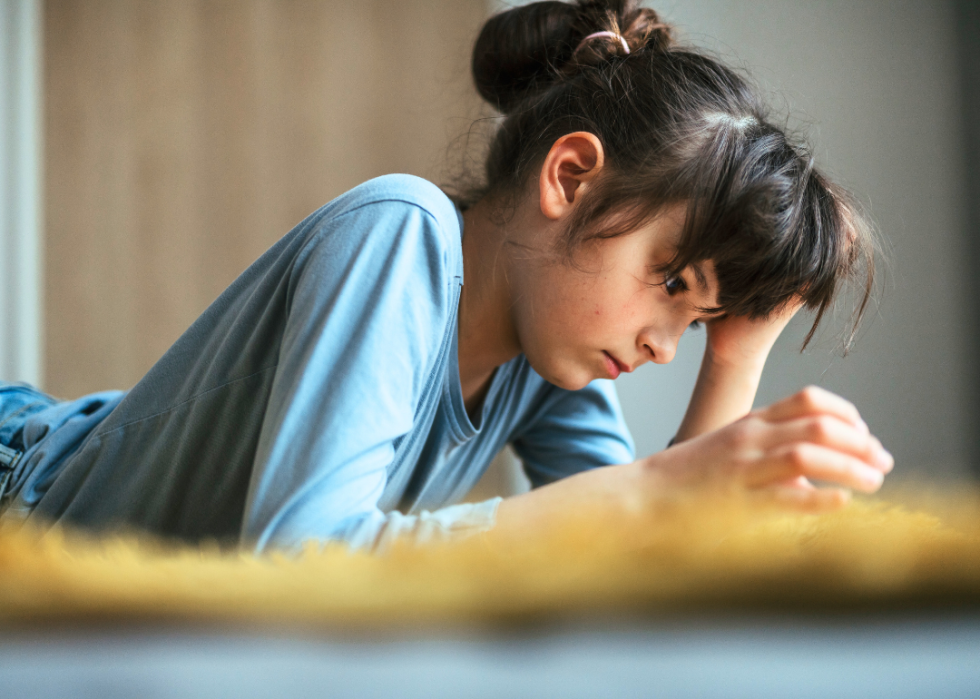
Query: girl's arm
{"x": 735, "y": 355}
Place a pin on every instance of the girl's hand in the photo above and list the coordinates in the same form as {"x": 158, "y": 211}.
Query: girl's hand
{"x": 776, "y": 450}
{"x": 772, "y": 452}
{"x": 739, "y": 341}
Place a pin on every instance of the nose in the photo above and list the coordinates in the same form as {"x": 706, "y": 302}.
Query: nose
{"x": 659, "y": 345}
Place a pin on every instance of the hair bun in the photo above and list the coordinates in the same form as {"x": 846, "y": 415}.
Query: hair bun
{"x": 526, "y": 48}
{"x": 519, "y": 49}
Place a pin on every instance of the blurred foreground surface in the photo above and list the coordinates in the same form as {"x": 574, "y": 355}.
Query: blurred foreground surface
{"x": 681, "y": 553}
{"x": 751, "y": 656}
{"x": 688, "y": 597}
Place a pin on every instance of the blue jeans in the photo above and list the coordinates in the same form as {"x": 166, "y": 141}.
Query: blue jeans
{"x": 38, "y": 434}
{"x": 17, "y": 403}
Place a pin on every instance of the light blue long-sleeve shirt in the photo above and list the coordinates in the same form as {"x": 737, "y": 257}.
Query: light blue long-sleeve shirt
{"x": 317, "y": 398}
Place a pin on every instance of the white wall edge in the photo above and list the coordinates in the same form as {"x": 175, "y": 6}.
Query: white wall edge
{"x": 21, "y": 284}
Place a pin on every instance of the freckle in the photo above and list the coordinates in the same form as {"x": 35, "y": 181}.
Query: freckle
{"x": 597, "y": 311}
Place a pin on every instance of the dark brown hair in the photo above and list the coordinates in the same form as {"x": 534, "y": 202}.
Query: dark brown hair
{"x": 677, "y": 126}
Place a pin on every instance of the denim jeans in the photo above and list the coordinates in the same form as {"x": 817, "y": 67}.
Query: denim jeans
{"x": 17, "y": 403}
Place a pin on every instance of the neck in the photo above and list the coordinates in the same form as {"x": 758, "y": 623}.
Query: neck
{"x": 487, "y": 337}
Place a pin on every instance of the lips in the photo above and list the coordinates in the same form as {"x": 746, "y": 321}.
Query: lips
{"x": 614, "y": 366}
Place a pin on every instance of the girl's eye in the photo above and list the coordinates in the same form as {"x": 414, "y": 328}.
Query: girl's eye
{"x": 674, "y": 285}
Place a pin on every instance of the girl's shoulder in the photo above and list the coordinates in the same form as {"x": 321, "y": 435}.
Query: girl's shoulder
{"x": 391, "y": 215}
{"x": 398, "y": 192}
{"x": 410, "y": 189}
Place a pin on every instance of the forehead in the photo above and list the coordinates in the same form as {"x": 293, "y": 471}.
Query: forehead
{"x": 667, "y": 227}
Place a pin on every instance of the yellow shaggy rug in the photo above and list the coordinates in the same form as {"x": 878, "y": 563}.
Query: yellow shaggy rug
{"x": 686, "y": 555}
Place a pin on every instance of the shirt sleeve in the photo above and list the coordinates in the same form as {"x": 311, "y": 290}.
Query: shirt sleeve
{"x": 573, "y": 431}
{"x": 369, "y": 302}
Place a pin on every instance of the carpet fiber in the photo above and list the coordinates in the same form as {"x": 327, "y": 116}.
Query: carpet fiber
{"x": 683, "y": 555}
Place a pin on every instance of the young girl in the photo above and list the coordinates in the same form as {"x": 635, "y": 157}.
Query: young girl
{"x": 357, "y": 379}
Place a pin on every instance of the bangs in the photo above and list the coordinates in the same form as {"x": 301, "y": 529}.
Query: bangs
{"x": 775, "y": 229}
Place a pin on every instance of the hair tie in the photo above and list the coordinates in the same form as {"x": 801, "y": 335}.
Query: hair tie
{"x": 611, "y": 35}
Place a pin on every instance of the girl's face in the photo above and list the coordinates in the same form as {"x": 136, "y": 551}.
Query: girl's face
{"x": 611, "y": 311}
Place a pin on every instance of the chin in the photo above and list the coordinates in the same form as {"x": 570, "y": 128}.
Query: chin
{"x": 570, "y": 379}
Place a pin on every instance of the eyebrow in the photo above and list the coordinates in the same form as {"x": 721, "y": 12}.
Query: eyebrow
{"x": 699, "y": 276}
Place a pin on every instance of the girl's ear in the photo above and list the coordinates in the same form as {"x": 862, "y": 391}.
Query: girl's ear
{"x": 570, "y": 166}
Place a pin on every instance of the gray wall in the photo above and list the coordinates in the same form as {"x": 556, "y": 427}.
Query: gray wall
{"x": 876, "y": 85}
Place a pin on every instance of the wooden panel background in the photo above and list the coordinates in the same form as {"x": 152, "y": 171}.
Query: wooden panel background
{"x": 184, "y": 137}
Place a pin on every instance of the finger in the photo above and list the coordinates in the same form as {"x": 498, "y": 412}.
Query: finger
{"x": 814, "y": 462}
{"x": 832, "y": 432}
{"x": 813, "y": 400}
{"x": 800, "y": 482}
{"x": 813, "y": 500}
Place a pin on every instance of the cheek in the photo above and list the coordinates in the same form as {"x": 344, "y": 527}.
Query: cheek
{"x": 624, "y": 310}
{"x": 571, "y": 312}
{"x": 591, "y": 316}
{"x": 588, "y": 312}
{"x": 557, "y": 326}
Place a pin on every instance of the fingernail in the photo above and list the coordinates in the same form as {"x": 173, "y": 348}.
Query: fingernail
{"x": 862, "y": 425}
{"x": 874, "y": 478}
{"x": 885, "y": 460}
